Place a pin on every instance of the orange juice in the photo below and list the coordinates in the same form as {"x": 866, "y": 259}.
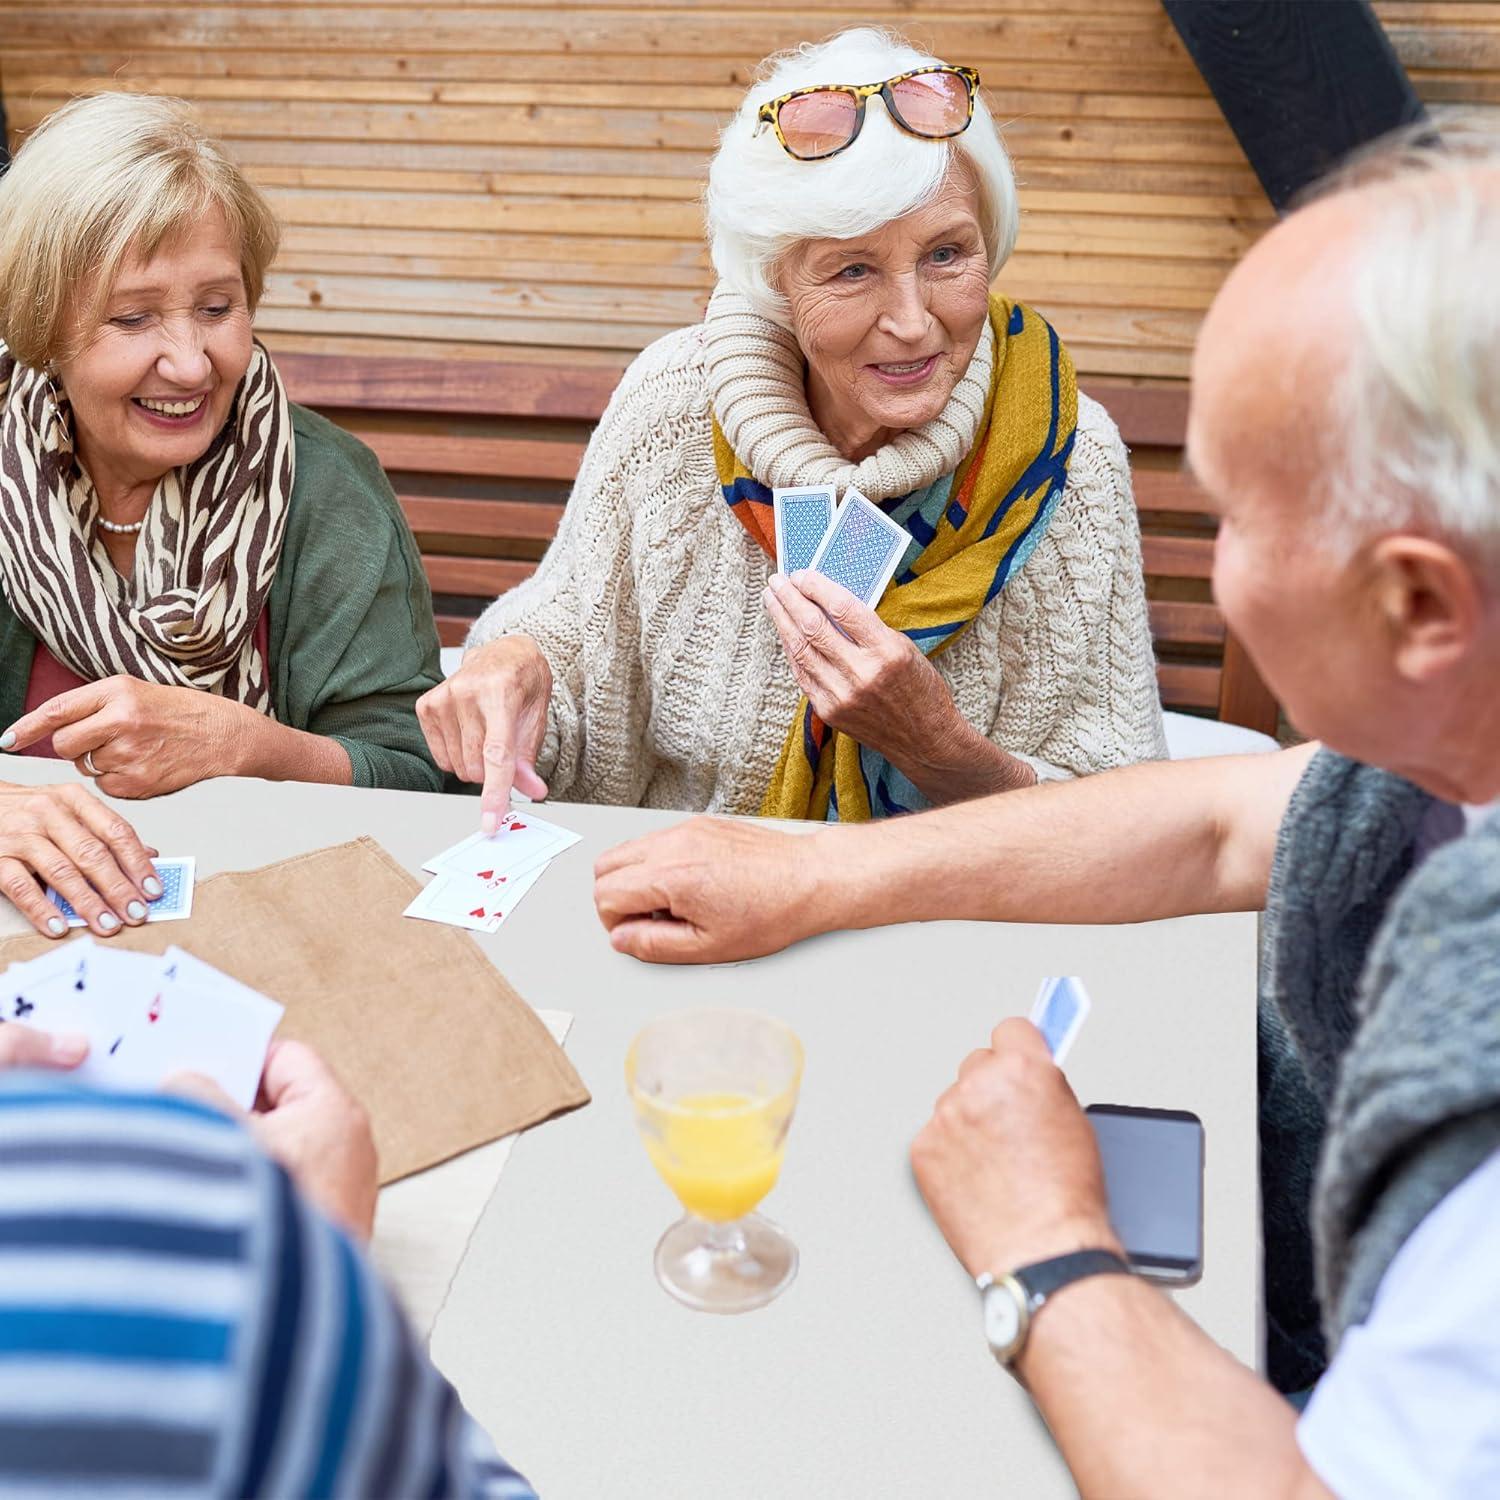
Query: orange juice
{"x": 720, "y": 1153}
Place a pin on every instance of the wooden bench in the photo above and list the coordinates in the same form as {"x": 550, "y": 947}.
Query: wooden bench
{"x": 482, "y": 455}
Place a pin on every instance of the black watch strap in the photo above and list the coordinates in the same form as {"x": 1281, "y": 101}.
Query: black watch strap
{"x": 1046, "y": 1278}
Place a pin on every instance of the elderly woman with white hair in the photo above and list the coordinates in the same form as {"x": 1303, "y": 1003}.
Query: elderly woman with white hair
{"x": 859, "y": 207}
{"x": 197, "y": 577}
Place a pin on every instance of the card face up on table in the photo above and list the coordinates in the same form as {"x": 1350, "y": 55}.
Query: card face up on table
{"x": 414, "y": 1019}
{"x": 479, "y": 882}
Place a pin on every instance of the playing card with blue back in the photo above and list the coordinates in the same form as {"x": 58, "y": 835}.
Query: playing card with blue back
{"x": 173, "y": 905}
{"x": 803, "y": 514}
{"x": 862, "y": 549}
{"x": 1059, "y": 1011}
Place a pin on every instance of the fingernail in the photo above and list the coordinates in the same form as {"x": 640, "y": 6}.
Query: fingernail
{"x": 56, "y": 926}
{"x": 69, "y": 1050}
{"x": 135, "y": 911}
{"x": 778, "y": 581}
{"x": 108, "y": 921}
{"x": 7, "y": 739}
{"x": 152, "y": 886}
{"x": 489, "y": 823}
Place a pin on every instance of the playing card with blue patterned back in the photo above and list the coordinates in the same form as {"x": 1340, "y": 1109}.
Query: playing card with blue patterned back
{"x": 174, "y": 904}
{"x": 862, "y": 549}
{"x": 803, "y": 514}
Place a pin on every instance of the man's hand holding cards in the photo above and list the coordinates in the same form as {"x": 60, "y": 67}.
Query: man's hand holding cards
{"x": 480, "y": 880}
{"x": 144, "y": 1017}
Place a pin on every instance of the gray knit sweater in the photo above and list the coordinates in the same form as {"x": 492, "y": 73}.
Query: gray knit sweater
{"x": 1388, "y": 978}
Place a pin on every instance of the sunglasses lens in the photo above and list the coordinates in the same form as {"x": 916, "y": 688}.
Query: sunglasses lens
{"x": 814, "y": 125}
{"x": 934, "y": 104}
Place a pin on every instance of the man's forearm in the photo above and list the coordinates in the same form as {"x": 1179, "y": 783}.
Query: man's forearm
{"x": 1156, "y": 840}
{"x": 1143, "y": 1403}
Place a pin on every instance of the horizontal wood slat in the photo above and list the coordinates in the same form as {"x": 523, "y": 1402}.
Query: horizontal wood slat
{"x": 485, "y": 577}
{"x": 1177, "y": 556}
{"x": 500, "y": 458}
{"x": 522, "y": 520}
{"x": 1177, "y": 623}
{"x": 1189, "y": 686}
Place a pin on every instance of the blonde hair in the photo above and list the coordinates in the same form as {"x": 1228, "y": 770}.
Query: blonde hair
{"x": 760, "y": 202}
{"x": 101, "y": 180}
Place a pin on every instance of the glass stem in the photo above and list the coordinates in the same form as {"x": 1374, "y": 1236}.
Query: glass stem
{"x": 724, "y": 1238}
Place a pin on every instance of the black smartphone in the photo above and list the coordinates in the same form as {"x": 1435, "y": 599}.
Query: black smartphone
{"x": 1153, "y": 1171}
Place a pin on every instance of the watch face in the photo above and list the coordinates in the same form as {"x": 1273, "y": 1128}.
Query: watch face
{"x": 1002, "y": 1318}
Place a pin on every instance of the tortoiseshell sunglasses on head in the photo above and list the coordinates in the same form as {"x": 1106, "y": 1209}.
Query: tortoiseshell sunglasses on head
{"x": 813, "y": 123}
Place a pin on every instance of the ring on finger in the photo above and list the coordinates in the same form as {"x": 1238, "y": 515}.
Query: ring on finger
{"x": 89, "y": 768}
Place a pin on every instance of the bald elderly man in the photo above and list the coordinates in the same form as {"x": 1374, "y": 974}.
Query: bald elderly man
{"x": 1345, "y": 422}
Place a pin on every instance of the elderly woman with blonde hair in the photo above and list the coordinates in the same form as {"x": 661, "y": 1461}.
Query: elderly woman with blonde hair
{"x": 197, "y": 578}
{"x": 859, "y": 207}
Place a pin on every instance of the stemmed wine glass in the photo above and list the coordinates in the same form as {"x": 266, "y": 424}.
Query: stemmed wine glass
{"x": 714, "y": 1092}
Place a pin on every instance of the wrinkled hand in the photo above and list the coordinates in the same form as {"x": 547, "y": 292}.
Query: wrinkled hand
{"x": 307, "y": 1121}
{"x": 486, "y": 722}
{"x": 26, "y": 1047}
{"x": 709, "y": 891}
{"x": 1008, "y": 1162}
{"x": 145, "y": 739}
{"x": 870, "y": 682}
{"x": 64, "y": 837}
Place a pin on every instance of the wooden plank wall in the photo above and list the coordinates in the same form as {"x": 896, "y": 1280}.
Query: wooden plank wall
{"x": 522, "y": 180}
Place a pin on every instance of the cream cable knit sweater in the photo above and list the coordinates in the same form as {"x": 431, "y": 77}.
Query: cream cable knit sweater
{"x": 670, "y": 687}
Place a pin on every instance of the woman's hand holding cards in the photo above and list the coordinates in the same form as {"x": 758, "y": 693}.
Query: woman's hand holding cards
{"x": 861, "y": 677}
{"x": 67, "y": 839}
{"x": 874, "y": 684}
{"x": 485, "y": 723}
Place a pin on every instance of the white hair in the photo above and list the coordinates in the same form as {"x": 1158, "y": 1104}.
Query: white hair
{"x": 761, "y": 201}
{"x": 1420, "y": 398}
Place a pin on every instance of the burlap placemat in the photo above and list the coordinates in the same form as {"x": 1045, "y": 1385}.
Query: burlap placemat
{"x": 419, "y": 1025}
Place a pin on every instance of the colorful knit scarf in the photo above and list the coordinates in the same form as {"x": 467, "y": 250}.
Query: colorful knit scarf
{"x": 970, "y": 531}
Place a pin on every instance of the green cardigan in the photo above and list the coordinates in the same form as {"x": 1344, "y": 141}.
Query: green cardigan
{"x": 352, "y": 639}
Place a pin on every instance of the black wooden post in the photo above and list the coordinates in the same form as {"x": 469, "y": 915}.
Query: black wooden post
{"x": 1301, "y": 84}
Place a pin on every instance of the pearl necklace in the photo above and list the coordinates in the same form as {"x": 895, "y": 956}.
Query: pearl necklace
{"x": 119, "y": 529}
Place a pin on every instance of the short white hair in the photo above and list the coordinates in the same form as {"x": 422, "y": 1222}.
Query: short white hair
{"x": 761, "y": 201}
{"x": 1420, "y": 397}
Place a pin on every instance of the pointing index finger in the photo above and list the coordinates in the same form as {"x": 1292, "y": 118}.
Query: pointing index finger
{"x": 65, "y": 708}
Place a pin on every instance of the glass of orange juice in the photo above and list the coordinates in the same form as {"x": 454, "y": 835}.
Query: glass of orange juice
{"x": 714, "y": 1092}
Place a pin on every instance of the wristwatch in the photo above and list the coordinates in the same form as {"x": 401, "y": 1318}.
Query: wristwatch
{"x": 1012, "y": 1301}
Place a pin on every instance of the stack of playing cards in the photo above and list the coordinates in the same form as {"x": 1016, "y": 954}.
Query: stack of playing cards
{"x": 480, "y": 881}
{"x": 174, "y": 903}
{"x": 857, "y": 545}
{"x": 146, "y": 1017}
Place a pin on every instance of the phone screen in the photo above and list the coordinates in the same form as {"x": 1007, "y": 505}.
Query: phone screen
{"x": 1153, "y": 1171}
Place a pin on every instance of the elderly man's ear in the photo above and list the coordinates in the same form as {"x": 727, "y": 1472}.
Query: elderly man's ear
{"x": 1430, "y": 602}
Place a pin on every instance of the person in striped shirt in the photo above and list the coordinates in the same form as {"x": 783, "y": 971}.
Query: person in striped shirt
{"x": 184, "y": 1309}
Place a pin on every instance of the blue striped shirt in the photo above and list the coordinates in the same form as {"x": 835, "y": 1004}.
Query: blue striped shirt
{"x": 175, "y": 1320}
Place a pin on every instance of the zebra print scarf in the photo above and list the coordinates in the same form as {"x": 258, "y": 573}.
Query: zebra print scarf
{"x": 204, "y": 559}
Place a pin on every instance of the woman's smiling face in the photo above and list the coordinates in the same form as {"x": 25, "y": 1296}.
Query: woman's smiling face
{"x": 889, "y": 321}
{"x": 153, "y": 382}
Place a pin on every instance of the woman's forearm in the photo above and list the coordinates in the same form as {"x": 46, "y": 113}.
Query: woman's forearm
{"x": 279, "y": 753}
{"x": 962, "y": 764}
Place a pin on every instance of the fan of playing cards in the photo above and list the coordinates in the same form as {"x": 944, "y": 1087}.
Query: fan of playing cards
{"x": 857, "y": 545}
{"x": 479, "y": 882}
{"x": 146, "y": 1017}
